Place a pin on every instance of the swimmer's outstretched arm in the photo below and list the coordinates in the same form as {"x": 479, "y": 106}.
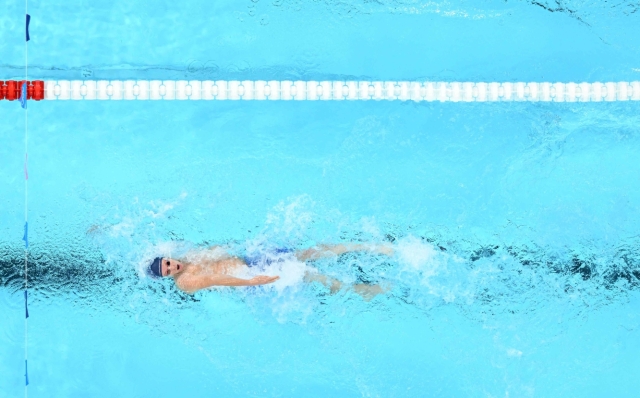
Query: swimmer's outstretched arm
{"x": 192, "y": 284}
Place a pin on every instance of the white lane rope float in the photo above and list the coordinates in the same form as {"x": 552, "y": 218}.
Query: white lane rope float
{"x": 326, "y": 90}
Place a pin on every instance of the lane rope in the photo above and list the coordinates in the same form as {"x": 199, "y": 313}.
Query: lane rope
{"x": 323, "y": 90}
{"x": 340, "y": 90}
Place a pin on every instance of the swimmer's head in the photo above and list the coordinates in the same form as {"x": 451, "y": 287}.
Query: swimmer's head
{"x": 165, "y": 266}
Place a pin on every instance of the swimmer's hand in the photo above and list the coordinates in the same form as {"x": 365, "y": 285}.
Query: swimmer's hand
{"x": 262, "y": 280}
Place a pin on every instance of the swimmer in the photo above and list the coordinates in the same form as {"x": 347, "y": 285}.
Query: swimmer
{"x": 216, "y": 267}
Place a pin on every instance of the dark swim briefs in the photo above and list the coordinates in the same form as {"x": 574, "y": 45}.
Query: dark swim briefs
{"x": 269, "y": 257}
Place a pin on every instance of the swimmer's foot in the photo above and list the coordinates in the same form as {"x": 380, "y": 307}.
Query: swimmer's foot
{"x": 368, "y": 292}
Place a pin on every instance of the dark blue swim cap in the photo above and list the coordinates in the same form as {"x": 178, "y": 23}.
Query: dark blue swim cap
{"x": 155, "y": 267}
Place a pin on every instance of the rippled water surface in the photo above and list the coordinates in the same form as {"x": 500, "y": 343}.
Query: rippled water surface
{"x": 515, "y": 226}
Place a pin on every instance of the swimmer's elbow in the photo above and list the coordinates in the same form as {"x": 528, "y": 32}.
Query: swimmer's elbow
{"x": 186, "y": 288}
{"x": 188, "y": 291}
{"x": 189, "y": 286}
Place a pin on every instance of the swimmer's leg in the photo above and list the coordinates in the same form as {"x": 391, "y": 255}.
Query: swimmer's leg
{"x": 324, "y": 251}
{"x": 367, "y": 292}
{"x": 330, "y": 283}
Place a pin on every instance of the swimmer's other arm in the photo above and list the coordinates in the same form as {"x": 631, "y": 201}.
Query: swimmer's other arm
{"x": 192, "y": 284}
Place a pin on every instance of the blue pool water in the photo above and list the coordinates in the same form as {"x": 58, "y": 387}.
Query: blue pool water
{"x": 515, "y": 225}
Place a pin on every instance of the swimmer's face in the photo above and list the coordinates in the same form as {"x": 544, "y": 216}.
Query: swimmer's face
{"x": 170, "y": 266}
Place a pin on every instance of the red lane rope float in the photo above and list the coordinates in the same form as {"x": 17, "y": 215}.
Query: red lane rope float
{"x": 10, "y": 89}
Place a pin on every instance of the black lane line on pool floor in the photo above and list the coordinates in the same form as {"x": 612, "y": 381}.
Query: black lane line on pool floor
{"x": 23, "y": 104}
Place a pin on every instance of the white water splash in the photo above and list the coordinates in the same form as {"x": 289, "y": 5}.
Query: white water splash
{"x": 440, "y": 273}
